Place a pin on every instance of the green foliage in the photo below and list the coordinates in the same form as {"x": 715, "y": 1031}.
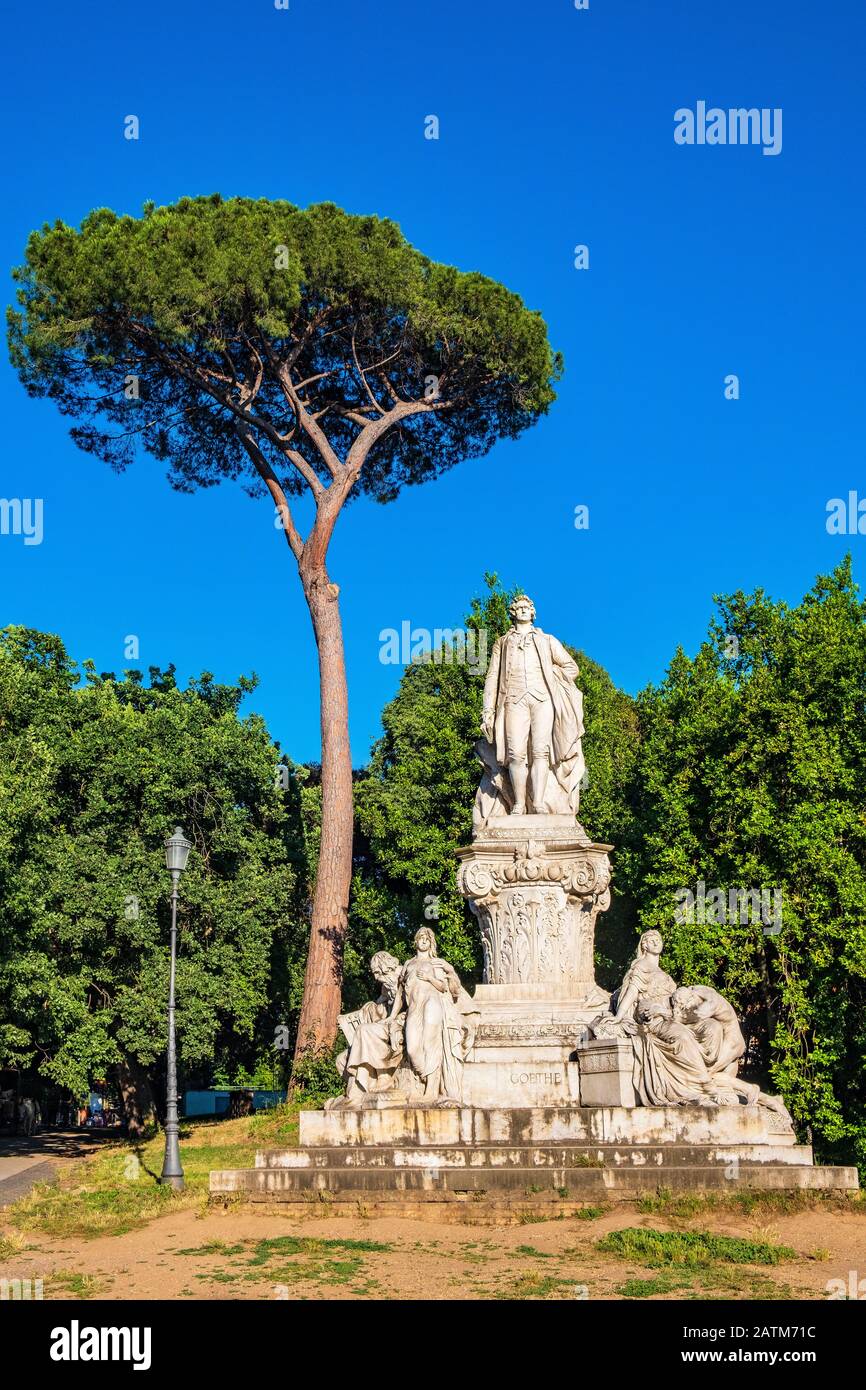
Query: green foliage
{"x": 314, "y": 1078}
{"x": 92, "y": 778}
{"x": 209, "y": 302}
{"x": 752, "y": 774}
{"x": 658, "y": 1248}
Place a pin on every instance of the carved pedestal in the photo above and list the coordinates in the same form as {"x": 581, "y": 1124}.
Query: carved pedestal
{"x": 536, "y": 885}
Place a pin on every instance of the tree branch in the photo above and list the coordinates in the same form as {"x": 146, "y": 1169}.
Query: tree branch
{"x": 269, "y": 478}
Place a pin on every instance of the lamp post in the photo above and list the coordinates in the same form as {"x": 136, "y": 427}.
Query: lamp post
{"x": 176, "y": 854}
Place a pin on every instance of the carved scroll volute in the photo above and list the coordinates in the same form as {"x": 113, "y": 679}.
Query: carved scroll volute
{"x": 475, "y": 881}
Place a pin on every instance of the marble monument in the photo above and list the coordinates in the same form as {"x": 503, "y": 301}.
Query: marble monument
{"x": 449, "y": 1096}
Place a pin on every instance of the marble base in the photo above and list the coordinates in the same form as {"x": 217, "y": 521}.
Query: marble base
{"x": 421, "y": 1125}
{"x": 401, "y": 1158}
{"x": 606, "y": 1066}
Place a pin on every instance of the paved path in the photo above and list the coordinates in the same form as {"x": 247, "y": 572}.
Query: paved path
{"x": 18, "y": 1176}
{"x": 24, "y": 1162}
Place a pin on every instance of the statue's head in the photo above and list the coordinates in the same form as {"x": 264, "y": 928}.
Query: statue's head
{"x": 383, "y": 965}
{"x": 425, "y": 942}
{"x": 522, "y": 609}
{"x": 651, "y": 943}
{"x": 684, "y": 1001}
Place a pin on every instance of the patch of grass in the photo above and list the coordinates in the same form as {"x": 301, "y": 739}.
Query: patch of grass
{"x": 749, "y": 1203}
{"x": 531, "y": 1250}
{"x": 689, "y": 1248}
{"x": 656, "y": 1287}
{"x": 315, "y": 1272}
{"x": 709, "y": 1282}
{"x": 278, "y": 1127}
{"x": 68, "y": 1283}
{"x": 310, "y": 1245}
{"x": 116, "y": 1190}
{"x": 685, "y": 1204}
{"x": 538, "y": 1285}
{"x": 214, "y": 1247}
{"x": 92, "y": 1212}
{"x": 591, "y": 1213}
{"x": 12, "y": 1244}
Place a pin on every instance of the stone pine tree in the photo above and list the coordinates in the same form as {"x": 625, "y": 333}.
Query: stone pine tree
{"x": 301, "y": 352}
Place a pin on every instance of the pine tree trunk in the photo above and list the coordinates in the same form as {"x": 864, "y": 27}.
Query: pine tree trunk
{"x": 320, "y": 1007}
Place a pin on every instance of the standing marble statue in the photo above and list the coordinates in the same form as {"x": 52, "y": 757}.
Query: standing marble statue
{"x": 532, "y": 724}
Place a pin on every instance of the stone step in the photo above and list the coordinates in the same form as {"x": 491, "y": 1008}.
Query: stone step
{"x": 545, "y": 1156}
{"x": 382, "y": 1185}
{"x": 423, "y": 1126}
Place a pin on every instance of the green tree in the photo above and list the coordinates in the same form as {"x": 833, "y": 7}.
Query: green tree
{"x": 303, "y": 352}
{"x": 753, "y": 776}
{"x": 92, "y": 778}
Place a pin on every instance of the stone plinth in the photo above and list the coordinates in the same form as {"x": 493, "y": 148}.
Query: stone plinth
{"x": 536, "y": 885}
{"x": 437, "y": 1125}
{"x": 605, "y": 1066}
{"x": 402, "y": 1157}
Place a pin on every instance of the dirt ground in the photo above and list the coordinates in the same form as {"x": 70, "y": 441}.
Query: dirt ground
{"x": 261, "y": 1253}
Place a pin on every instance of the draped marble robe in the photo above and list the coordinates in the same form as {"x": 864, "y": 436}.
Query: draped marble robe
{"x": 434, "y": 1028}
{"x": 670, "y": 1067}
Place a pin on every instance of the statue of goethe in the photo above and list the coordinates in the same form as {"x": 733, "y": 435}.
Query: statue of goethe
{"x": 532, "y": 724}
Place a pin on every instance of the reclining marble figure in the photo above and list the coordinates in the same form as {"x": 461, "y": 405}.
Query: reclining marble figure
{"x": 686, "y": 1041}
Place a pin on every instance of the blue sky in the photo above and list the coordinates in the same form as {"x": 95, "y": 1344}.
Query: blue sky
{"x": 556, "y": 129}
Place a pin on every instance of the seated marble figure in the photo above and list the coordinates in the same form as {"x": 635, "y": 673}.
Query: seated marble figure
{"x": 409, "y": 1045}
{"x": 375, "y": 1048}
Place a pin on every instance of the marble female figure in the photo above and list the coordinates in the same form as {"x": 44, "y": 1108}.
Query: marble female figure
{"x": 644, "y": 978}
{"x": 435, "y": 1031}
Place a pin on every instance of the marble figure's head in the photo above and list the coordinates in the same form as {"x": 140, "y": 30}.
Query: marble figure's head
{"x": 522, "y": 609}
{"x": 651, "y": 943}
{"x": 684, "y": 1001}
{"x": 425, "y": 942}
{"x": 383, "y": 965}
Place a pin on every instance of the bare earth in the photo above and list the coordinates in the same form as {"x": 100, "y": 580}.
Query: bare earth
{"x": 216, "y": 1253}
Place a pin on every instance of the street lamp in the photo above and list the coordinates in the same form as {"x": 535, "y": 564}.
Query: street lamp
{"x": 176, "y": 854}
